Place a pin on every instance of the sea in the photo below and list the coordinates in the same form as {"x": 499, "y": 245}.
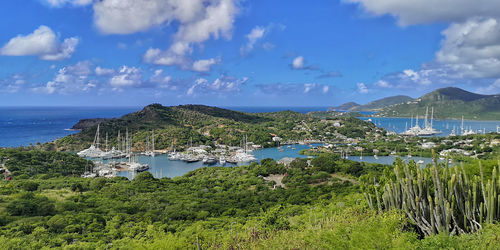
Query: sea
{"x": 22, "y": 126}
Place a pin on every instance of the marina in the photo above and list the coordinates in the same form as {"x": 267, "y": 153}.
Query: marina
{"x": 445, "y": 127}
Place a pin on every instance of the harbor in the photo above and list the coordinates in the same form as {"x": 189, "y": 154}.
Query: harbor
{"x": 446, "y": 127}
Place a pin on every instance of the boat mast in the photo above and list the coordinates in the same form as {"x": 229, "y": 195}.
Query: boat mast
{"x": 118, "y": 141}
{"x": 432, "y": 117}
{"x": 153, "y": 139}
{"x": 426, "y": 114}
{"x": 462, "y": 128}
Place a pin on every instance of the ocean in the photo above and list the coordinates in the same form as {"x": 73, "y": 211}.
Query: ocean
{"x": 22, "y": 126}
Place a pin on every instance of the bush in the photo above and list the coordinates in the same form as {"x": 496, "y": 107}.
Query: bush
{"x": 30, "y": 186}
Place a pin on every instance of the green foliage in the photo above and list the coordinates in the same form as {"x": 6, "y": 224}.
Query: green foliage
{"x": 441, "y": 199}
{"x": 203, "y": 125}
{"x": 30, "y": 186}
{"x": 28, "y": 163}
{"x": 28, "y": 204}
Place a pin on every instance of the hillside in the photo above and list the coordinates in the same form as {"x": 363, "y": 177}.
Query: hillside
{"x": 345, "y": 107}
{"x": 179, "y": 125}
{"x": 449, "y": 103}
{"x": 373, "y": 105}
{"x": 382, "y": 103}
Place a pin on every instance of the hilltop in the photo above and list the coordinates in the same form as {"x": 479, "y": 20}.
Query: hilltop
{"x": 373, "y": 105}
{"x": 179, "y": 125}
{"x": 382, "y": 103}
{"x": 449, "y": 103}
{"x": 345, "y": 107}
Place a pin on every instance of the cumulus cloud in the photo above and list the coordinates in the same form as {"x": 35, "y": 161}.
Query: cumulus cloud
{"x": 293, "y": 88}
{"x": 12, "y": 84}
{"x": 470, "y": 48}
{"x": 362, "y": 88}
{"x": 221, "y": 85}
{"x": 409, "y": 12}
{"x": 162, "y": 81}
{"x": 70, "y": 79}
{"x": 204, "y": 65}
{"x": 43, "y": 43}
{"x": 253, "y": 37}
{"x": 103, "y": 71}
{"x": 126, "y": 77}
{"x": 199, "y": 20}
{"x": 299, "y": 63}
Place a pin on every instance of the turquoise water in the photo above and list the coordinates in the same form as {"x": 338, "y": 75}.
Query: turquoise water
{"x": 160, "y": 166}
{"x": 398, "y": 125}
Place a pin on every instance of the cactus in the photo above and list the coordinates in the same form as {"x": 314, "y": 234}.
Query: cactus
{"x": 441, "y": 198}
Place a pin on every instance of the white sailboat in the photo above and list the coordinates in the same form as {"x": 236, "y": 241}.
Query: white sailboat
{"x": 93, "y": 151}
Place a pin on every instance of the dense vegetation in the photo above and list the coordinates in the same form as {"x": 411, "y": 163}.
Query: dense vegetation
{"x": 449, "y": 103}
{"x": 205, "y": 125}
{"x": 28, "y": 163}
{"x": 321, "y": 206}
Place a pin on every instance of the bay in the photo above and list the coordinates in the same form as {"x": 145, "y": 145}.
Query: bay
{"x": 399, "y": 125}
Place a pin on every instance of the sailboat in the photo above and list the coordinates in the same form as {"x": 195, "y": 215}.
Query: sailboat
{"x": 93, "y": 151}
{"x": 150, "y": 150}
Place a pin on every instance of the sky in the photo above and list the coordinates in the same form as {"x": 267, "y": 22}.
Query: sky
{"x": 243, "y": 53}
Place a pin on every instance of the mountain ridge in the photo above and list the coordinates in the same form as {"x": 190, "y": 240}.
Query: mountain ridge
{"x": 449, "y": 103}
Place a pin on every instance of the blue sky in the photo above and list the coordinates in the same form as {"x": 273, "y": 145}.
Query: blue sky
{"x": 242, "y": 53}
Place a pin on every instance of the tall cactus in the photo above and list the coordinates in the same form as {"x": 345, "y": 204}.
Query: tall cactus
{"x": 442, "y": 198}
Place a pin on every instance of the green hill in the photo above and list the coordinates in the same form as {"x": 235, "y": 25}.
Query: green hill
{"x": 449, "y": 103}
{"x": 205, "y": 125}
{"x": 345, "y": 107}
{"x": 382, "y": 103}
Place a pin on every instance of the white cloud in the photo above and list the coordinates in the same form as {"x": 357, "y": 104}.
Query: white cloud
{"x": 70, "y": 79}
{"x": 204, "y": 65}
{"x": 383, "y": 84}
{"x": 42, "y": 43}
{"x": 221, "y": 85}
{"x": 362, "y": 88}
{"x": 162, "y": 81}
{"x": 12, "y": 84}
{"x": 325, "y": 89}
{"x": 491, "y": 89}
{"x": 298, "y": 62}
{"x": 255, "y": 35}
{"x": 409, "y": 12}
{"x": 199, "y": 21}
{"x": 470, "y": 48}
{"x": 126, "y": 77}
{"x": 103, "y": 71}
{"x": 293, "y": 88}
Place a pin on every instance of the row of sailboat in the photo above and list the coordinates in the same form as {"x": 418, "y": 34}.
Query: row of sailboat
{"x": 122, "y": 149}
{"x": 427, "y": 130}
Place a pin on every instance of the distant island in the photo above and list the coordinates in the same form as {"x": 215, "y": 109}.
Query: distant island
{"x": 448, "y": 103}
